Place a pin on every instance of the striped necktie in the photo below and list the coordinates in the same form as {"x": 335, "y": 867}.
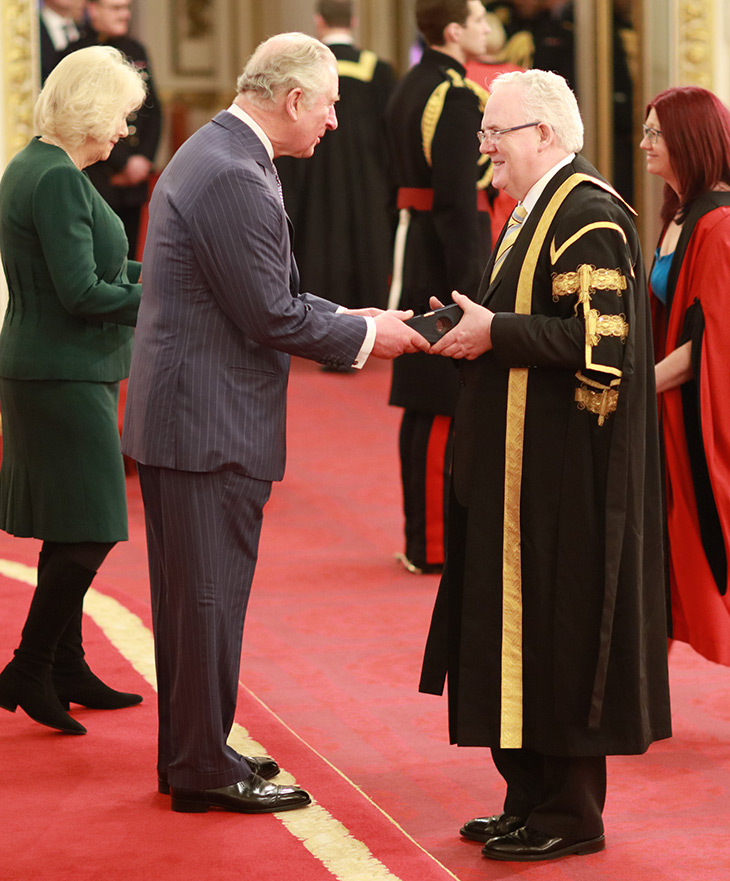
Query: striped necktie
{"x": 509, "y": 238}
{"x": 279, "y": 187}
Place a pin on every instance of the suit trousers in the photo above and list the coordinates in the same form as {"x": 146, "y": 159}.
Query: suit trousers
{"x": 558, "y": 795}
{"x": 202, "y": 537}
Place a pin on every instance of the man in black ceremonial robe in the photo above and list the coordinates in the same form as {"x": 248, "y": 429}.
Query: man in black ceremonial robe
{"x": 338, "y": 200}
{"x": 550, "y": 618}
{"x": 442, "y": 242}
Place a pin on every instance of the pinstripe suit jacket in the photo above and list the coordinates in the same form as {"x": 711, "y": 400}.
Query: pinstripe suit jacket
{"x": 221, "y": 313}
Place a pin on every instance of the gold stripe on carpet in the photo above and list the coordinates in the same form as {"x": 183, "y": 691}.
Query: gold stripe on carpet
{"x": 341, "y": 863}
{"x": 325, "y": 837}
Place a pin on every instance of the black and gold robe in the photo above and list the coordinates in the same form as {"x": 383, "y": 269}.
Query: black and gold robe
{"x": 550, "y": 620}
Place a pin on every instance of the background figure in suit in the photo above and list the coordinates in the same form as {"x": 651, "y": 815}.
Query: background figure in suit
{"x": 58, "y": 26}
{"x": 550, "y": 618}
{"x": 206, "y": 408}
{"x": 65, "y": 344}
{"x": 443, "y": 237}
{"x": 123, "y": 179}
{"x": 338, "y": 200}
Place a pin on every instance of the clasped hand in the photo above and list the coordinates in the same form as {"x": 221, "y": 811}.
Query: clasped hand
{"x": 392, "y": 336}
{"x": 471, "y": 337}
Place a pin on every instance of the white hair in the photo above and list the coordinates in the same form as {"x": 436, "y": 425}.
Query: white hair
{"x": 87, "y": 94}
{"x": 546, "y": 97}
{"x": 285, "y": 62}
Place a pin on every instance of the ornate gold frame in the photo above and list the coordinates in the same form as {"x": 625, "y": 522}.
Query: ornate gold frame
{"x": 695, "y": 49}
{"x": 19, "y": 72}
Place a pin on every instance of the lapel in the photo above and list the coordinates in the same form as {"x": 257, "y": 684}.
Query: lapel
{"x": 250, "y": 147}
{"x": 509, "y": 272}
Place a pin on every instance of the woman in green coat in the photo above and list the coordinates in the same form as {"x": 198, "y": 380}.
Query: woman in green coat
{"x": 64, "y": 346}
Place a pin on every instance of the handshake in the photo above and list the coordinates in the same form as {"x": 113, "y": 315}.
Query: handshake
{"x": 460, "y": 330}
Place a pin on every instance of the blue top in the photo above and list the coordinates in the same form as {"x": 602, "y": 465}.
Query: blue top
{"x": 660, "y": 274}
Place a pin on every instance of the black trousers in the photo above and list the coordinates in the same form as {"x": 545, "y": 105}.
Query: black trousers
{"x": 558, "y": 795}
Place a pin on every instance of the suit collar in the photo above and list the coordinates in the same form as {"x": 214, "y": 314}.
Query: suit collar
{"x": 249, "y": 138}
{"x": 241, "y": 114}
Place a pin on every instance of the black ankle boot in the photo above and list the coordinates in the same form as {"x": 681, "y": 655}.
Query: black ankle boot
{"x": 29, "y": 687}
{"x": 76, "y": 683}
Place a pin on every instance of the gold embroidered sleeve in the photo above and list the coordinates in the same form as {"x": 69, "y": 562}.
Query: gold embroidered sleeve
{"x": 584, "y": 284}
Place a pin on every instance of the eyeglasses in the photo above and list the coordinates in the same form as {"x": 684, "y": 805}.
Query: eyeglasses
{"x": 494, "y": 135}
{"x": 651, "y": 134}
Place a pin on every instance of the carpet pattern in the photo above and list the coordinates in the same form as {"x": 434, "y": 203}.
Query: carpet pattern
{"x": 330, "y": 667}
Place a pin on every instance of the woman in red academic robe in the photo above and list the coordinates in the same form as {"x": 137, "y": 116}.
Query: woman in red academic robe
{"x": 687, "y": 143}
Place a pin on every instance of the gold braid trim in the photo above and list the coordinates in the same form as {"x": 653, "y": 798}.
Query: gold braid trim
{"x": 601, "y": 400}
{"x": 520, "y": 49}
{"x": 591, "y": 279}
{"x": 435, "y": 105}
{"x": 431, "y": 115}
{"x": 555, "y": 254}
{"x": 606, "y": 325}
{"x": 363, "y": 69}
{"x": 585, "y": 279}
{"x": 479, "y": 91}
{"x": 511, "y": 704}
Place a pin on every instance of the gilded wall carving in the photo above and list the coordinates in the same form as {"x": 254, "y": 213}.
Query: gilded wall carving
{"x": 19, "y": 73}
{"x": 695, "y": 36}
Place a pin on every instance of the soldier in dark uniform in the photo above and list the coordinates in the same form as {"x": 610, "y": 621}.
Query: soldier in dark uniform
{"x": 338, "y": 200}
{"x": 442, "y": 241}
{"x": 123, "y": 178}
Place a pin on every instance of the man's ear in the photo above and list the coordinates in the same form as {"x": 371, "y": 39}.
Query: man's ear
{"x": 547, "y": 135}
{"x": 452, "y": 32}
{"x": 293, "y": 103}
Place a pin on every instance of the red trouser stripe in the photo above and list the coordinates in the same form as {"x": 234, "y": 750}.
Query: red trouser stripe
{"x": 435, "y": 455}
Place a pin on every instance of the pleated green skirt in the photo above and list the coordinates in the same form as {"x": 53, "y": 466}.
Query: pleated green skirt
{"x": 62, "y": 474}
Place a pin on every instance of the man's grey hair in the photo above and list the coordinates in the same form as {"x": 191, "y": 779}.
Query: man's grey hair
{"x": 546, "y": 97}
{"x": 285, "y": 62}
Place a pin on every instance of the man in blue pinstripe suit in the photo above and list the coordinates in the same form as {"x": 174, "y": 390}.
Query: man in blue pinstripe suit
{"x": 221, "y": 313}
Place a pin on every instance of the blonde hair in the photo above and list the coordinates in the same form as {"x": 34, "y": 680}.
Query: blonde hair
{"x": 86, "y": 94}
{"x": 286, "y": 62}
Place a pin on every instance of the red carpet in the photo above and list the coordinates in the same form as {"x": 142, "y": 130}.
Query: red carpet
{"x": 331, "y": 662}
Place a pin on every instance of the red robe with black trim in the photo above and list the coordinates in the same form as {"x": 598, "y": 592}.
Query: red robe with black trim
{"x": 700, "y": 613}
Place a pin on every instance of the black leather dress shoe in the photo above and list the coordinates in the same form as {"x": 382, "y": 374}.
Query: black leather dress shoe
{"x": 528, "y": 845}
{"x": 264, "y": 766}
{"x": 252, "y": 796}
{"x": 484, "y": 828}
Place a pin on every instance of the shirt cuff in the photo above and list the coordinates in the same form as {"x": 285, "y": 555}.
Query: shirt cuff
{"x": 367, "y": 344}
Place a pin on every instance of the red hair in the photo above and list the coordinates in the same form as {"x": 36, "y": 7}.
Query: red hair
{"x": 695, "y": 126}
